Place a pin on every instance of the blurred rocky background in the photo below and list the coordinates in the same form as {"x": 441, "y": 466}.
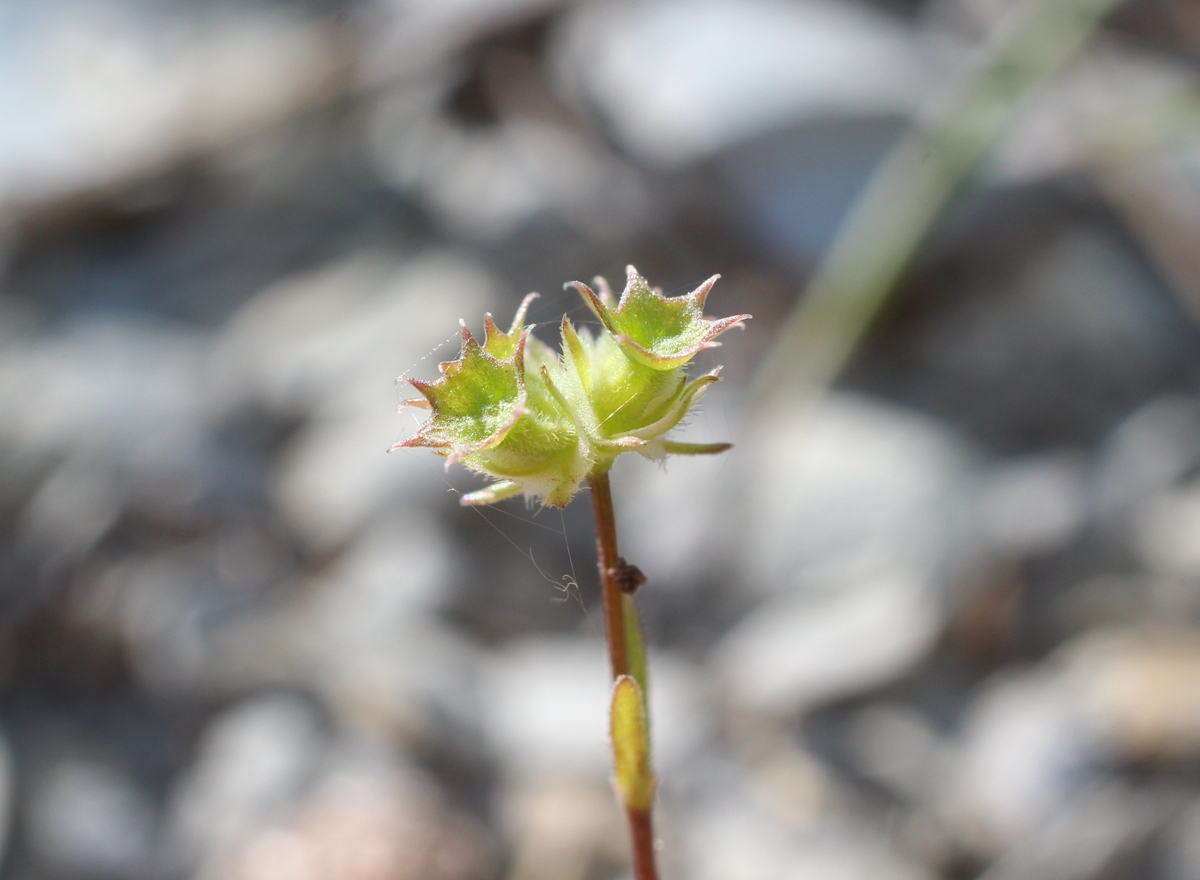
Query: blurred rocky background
{"x": 942, "y": 622}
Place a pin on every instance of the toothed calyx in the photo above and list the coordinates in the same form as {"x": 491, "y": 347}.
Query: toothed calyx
{"x": 661, "y": 332}
{"x": 541, "y": 422}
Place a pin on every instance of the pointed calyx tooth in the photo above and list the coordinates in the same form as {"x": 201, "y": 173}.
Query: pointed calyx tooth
{"x": 606, "y": 294}
{"x": 468, "y": 341}
{"x": 632, "y": 279}
{"x": 519, "y": 320}
{"x": 601, "y": 306}
{"x": 490, "y": 330}
{"x": 425, "y": 388}
{"x": 498, "y": 343}
{"x": 700, "y": 294}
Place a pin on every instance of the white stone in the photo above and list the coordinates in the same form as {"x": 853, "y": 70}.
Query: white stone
{"x": 1033, "y": 505}
{"x": 852, "y": 486}
{"x": 337, "y": 474}
{"x": 253, "y": 762}
{"x": 399, "y": 564}
{"x": 126, "y": 390}
{"x": 484, "y": 183}
{"x": 546, "y": 701}
{"x": 333, "y": 339}
{"x": 680, "y": 79}
{"x": 330, "y": 344}
{"x": 89, "y": 820}
{"x": 1139, "y": 686}
{"x": 94, "y": 94}
{"x": 1095, "y": 831}
{"x": 72, "y": 509}
{"x": 732, "y": 842}
{"x": 1024, "y": 741}
{"x": 797, "y": 651}
{"x": 1166, "y": 532}
{"x": 1070, "y": 119}
{"x": 1148, "y": 452}
{"x": 895, "y": 746}
{"x": 405, "y": 36}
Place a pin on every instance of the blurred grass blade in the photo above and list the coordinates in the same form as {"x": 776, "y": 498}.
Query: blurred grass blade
{"x": 631, "y": 746}
{"x": 913, "y": 187}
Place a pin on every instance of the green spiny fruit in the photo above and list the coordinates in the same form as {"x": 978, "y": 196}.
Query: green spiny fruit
{"x": 541, "y": 423}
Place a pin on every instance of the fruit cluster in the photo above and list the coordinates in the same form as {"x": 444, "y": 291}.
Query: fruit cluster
{"x": 541, "y": 422}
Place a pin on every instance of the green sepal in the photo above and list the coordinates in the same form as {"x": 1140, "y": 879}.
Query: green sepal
{"x": 636, "y": 647}
{"x": 631, "y": 746}
{"x": 672, "y": 447}
{"x": 491, "y": 494}
{"x": 679, "y": 407}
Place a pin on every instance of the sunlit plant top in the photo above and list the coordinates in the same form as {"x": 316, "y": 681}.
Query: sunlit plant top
{"x": 542, "y": 422}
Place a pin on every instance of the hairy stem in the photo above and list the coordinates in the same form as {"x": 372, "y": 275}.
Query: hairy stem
{"x": 620, "y": 627}
{"x": 610, "y": 589}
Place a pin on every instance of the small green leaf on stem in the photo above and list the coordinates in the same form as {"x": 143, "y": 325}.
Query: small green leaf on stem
{"x": 631, "y": 746}
{"x": 637, "y": 651}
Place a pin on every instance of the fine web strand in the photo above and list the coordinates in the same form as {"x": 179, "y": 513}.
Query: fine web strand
{"x": 568, "y": 584}
{"x": 418, "y": 420}
{"x": 562, "y": 517}
{"x": 403, "y": 377}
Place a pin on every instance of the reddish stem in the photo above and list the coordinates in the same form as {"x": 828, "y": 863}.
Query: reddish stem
{"x": 610, "y": 590}
{"x": 641, "y": 831}
{"x": 641, "y": 825}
